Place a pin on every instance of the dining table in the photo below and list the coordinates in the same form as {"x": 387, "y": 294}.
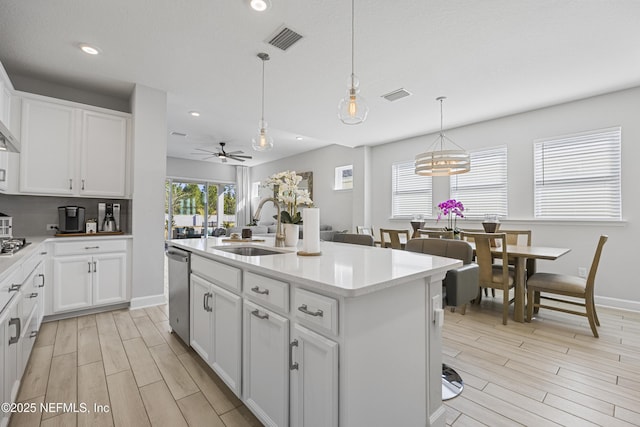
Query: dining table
{"x": 520, "y": 254}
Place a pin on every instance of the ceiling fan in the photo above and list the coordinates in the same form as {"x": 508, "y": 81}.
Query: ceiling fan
{"x": 221, "y": 154}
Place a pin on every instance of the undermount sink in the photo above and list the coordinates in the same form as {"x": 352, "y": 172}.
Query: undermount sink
{"x": 248, "y": 250}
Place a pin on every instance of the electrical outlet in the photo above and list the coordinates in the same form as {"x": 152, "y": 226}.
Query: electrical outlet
{"x": 582, "y": 272}
{"x": 52, "y": 227}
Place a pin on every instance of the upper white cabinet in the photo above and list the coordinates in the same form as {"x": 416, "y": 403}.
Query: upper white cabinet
{"x": 73, "y": 151}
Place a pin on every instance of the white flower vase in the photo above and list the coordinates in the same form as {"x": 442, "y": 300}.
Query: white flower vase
{"x": 291, "y": 234}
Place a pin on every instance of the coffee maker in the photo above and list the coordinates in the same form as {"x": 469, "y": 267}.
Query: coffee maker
{"x": 108, "y": 217}
{"x": 71, "y": 219}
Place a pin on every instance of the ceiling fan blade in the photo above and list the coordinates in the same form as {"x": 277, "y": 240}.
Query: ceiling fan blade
{"x": 241, "y": 157}
{"x": 234, "y": 152}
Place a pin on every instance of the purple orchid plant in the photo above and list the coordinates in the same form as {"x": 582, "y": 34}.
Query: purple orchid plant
{"x": 452, "y": 209}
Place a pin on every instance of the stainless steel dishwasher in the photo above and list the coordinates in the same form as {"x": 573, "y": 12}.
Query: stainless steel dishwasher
{"x": 179, "y": 290}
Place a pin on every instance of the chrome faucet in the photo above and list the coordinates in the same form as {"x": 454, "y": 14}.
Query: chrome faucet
{"x": 279, "y": 234}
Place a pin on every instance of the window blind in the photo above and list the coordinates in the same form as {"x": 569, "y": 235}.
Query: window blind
{"x": 578, "y": 176}
{"x": 411, "y": 193}
{"x": 483, "y": 190}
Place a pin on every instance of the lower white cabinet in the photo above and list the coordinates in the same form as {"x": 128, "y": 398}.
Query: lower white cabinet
{"x": 12, "y": 328}
{"x": 266, "y": 364}
{"x": 314, "y": 379}
{"x": 83, "y": 281}
{"x": 215, "y": 329}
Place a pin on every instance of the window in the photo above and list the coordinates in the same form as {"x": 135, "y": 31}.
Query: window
{"x": 578, "y": 176}
{"x": 410, "y": 193}
{"x": 344, "y": 178}
{"x": 190, "y": 200}
{"x": 483, "y": 190}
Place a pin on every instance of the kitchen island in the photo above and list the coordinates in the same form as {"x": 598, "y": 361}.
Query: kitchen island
{"x": 346, "y": 338}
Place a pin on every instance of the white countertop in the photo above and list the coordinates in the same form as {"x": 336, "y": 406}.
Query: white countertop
{"x": 344, "y": 269}
{"x": 9, "y": 263}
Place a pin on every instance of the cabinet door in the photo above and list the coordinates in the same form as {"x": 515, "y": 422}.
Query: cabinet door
{"x": 12, "y": 331}
{"x": 266, "y": 364}
{"x": 200, "y": 317}
{"x": 4, "y": 340}
{"x": 109, "y": 278}
{"x": 48, "y": 156}
{"x": 72, "y": 278}
{"x": 227, "y": 336}
{"x": 4, "y": 168}
{"x": 104, "y": 154}
{"x": 314, "y": 379}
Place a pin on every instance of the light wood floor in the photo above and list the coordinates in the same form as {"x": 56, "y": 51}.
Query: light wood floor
{"x": 551, "y": 371}
{"x": 548, "y": 372}
{"x": 129, "y": 362}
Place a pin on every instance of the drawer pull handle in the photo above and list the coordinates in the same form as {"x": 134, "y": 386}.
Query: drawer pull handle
{"x": 33, "y": 334}
{"x": 14, "y": 288}
{"x": 42, "y": 276}
{"x": 83, "y": 184}
{"x": 258, "y": 291}
{"x": 207, "y": 307}
{"x": 70, "y": 184}
{"x": 292, "y": 365}
{"x": 92, "y": 247}
{"x": 15, "y": 321}
{"x": 33, "y": 295}
{"x": 89, "y": 262}
{"x": 43, "y": 253}
{"x": 260, "y": 316}
{"x": 303, "y": 308}
{"x": 95, "y": 266}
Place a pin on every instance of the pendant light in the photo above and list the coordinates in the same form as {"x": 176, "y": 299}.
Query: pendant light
{"x": 262, "y": 141}
{"x": 352, "y": 109}
{"x": 441, "y": 162}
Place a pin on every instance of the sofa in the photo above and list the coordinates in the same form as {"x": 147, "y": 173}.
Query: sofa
{"x": 269, "y": 228}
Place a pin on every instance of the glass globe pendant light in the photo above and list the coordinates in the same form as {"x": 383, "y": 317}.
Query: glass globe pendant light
{"x": 442, "y": 162}
{"x": 262, "y": 141}
{"x": 352, "y": 109}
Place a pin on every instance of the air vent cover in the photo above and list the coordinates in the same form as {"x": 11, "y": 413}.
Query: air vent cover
{"x": 396, "y": 94}
{"x": 284, "y": 38}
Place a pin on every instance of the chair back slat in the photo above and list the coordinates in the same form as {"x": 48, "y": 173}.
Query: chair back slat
{"x": 591, "y": 278}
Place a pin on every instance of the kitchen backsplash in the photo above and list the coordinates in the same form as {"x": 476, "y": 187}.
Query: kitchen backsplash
{"x": 31, "y": 214}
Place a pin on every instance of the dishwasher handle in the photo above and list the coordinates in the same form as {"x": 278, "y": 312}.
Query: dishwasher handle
{"x": 177, "y": 256}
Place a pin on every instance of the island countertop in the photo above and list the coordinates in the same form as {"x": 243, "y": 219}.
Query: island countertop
{"x": 343, "y": 269}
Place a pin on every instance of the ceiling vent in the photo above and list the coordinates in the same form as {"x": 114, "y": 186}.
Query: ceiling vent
{"x": 284, "y": 38}
{"x": 396, "y": 94}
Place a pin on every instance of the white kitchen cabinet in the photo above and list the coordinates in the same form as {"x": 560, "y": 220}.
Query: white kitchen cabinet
{"x": 5, "y": 99}
{"x": 314, "y": 379}
{"x": 68, "y": 149}
{"x": 4, "y": 417}
{"x": 216, "y": 329}
{"x": 266, "y": 364}
{"x": 4, "y": 171}
{"x": 12, "y": 331}
{"x": 89, "y": 273}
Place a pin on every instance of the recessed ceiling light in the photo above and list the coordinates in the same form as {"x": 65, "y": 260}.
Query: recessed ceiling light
{"x": 91, "y": 50}
{"x": 299, "y": 138}
{"x": 260, "y": 5}
{"x": 194, "y": 113}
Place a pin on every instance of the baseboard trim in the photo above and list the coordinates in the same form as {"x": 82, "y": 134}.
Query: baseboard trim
{"x": 78, "y": 313}
{"x": 148, "y": 301}
{"x": 618, "y": 303}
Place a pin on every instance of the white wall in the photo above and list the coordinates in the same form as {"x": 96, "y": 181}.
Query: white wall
{"x": 149, "y": 108}
{"x": 616, "y": 280}
{"x": 199, "y": 170}
{"x": 336, "y": 207}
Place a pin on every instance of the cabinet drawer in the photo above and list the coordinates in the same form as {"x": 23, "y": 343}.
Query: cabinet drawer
{"x": 33, "y": 261}
{"x": 216, "y": 272}
{"x": 89, "y": 247}
{"x": 270, "y": 292}
{"x": 8, "y": 287}
{"x": 317, "y": 311}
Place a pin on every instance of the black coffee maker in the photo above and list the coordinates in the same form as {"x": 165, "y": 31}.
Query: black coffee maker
{"x": 71, "y": 219}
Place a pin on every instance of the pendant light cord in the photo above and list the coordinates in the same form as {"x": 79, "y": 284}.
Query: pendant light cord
{"x": 262, "y": 116}
{"x": 352, "y": 42}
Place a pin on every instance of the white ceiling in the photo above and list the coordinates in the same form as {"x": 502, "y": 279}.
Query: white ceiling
{"x": 489, "y": 57}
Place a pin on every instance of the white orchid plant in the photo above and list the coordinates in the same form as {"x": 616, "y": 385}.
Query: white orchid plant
{"x": 289, "y": 195}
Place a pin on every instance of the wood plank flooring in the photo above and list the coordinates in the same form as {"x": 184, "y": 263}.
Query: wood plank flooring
{"x": 550, "y": 372}
{"x": 128, "y": 362}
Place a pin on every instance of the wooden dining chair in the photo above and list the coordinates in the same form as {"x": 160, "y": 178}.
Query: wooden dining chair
{"x": 491, "y": 275}
{"x": 569, "y": 286}
{"x": 436, "y": 233}
{"x": 367, "y": 230}
{"x": 393, "y": 238}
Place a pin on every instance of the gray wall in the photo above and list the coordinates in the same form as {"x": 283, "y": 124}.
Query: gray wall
{"x": 31, "y": 214}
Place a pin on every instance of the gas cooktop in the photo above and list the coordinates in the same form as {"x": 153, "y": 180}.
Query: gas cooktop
{"x": 12, "y": 245}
